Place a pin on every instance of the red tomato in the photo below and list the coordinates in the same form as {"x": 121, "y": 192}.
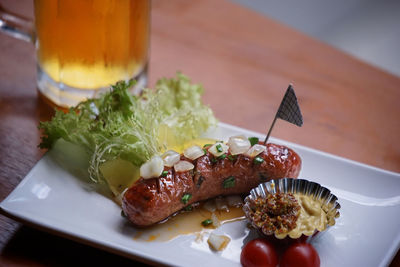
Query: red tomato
{"x": 259, "y": 253}
{"x": 300, "y": 255}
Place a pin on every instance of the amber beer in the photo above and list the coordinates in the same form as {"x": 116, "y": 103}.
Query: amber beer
{"x": 88, "y": 45}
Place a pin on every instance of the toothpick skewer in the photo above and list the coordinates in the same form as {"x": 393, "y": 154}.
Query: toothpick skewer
{"x": 270, "y": 130}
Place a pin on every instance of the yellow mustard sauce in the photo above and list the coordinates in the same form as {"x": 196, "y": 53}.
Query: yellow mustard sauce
{"x": 312, "y": 217}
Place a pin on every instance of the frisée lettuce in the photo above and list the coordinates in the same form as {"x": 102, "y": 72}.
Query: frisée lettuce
{"x": 119, "y": 127}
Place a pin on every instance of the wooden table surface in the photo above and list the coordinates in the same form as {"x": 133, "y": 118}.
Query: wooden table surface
{"x": 245, "y": 61}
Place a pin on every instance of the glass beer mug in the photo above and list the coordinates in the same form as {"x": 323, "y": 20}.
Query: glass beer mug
{"x": 84, "y": 46}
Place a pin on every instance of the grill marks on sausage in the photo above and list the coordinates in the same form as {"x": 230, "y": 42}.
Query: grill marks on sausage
{"x": 263, "y": 177}
{"x": 152, "y": 200}
{"x": 200, "y": 180}
{"x": 158, "y": 182}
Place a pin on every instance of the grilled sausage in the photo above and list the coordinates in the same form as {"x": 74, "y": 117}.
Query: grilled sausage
{"x": 149, "y": 201}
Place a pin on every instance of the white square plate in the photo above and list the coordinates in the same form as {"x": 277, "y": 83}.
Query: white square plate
{"x": 366, "y": 234}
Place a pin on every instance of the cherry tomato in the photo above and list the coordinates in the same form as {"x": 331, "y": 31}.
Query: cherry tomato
{"x": 300, "y": 255}
{"x": 259, "y": 252}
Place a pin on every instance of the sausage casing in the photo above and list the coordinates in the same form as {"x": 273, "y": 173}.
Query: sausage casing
{"x": 149, "y": 201}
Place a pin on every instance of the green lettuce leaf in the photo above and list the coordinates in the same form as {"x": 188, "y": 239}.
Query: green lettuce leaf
{"x": 120, "y": 126}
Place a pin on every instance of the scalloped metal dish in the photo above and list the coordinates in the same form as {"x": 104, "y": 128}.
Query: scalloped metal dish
{"x": 329, "y": 202}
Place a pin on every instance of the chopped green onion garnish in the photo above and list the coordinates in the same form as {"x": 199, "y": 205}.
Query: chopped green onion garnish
{"x": 186, "y": 197}
{"x": 223, "y": 156}
{"x": 219, "y": 148}
{"x": 213, "y": 160}
{"x": 205, "y": 151}
{"x": 258, "y": 160}
{"x": 229, "y": 182}
{"x": 232, "y": 157}
{"x": 253, "y": 140}
{"x": 206, "y": 222}
{"x": 188, "y": 208}
{"x": 207, "y": 145}
{"x": 164, "y": 174}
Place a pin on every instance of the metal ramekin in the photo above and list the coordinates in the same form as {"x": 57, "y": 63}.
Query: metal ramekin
{"x": 329, "y": 202}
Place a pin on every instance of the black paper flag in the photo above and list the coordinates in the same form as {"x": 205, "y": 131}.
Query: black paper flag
{"x": 289, "y": 110}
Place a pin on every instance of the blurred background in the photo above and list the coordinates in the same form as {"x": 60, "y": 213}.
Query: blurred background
{"x": 366, "y": 29}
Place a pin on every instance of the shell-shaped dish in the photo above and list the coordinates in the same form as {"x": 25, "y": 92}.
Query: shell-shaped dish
{"x": 305, "y": 192}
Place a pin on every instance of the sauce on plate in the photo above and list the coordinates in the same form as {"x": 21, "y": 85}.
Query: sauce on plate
{"x": 188, "y": 223}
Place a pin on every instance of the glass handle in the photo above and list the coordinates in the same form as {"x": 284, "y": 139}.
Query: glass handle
{"x": 16, "y": 26}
